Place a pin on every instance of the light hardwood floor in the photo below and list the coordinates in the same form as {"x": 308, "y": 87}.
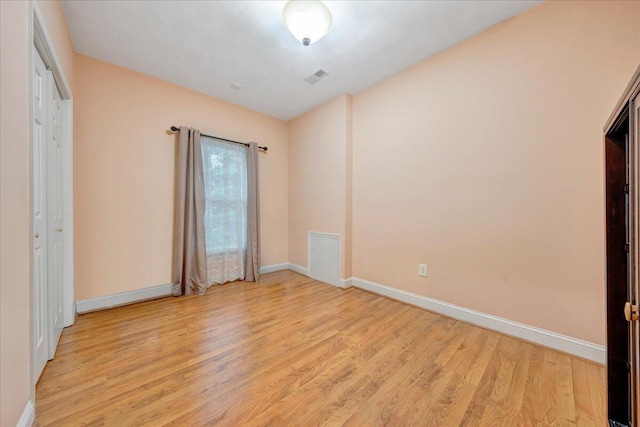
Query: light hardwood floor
{"x": 291, "y": 351}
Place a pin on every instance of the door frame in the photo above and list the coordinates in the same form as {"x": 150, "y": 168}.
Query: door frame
{"x": 43, "y": 43}
{"x": 634, "y": 135}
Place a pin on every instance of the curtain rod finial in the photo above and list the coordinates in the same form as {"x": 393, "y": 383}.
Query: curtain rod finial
{"x": 175, "y": 129}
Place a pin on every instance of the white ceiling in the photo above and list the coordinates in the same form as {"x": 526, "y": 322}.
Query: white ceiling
{"x": 206, "y": 45}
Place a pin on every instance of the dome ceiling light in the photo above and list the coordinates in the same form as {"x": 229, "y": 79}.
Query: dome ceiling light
{"x": 307, "y": 20}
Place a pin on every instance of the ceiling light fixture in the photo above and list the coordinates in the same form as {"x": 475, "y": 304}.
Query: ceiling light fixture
{"x": 307, "y": 20}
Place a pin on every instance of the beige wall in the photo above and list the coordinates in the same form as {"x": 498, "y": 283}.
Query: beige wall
{"x": 124, "y": 174}
{"x": 348, "y": 193}
{"x": 319, "y": 184}
{"x": 486, "y": 163}
{"x": 15, "y": 307}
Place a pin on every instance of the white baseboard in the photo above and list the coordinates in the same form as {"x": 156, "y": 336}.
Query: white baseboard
{"x": 131, "y": 297}
{"x": 28, "y": 416}
{"x": 567, "y": 344}
{"x": 298, "y": 269}
{"x": 564, "y": 343}
{"x": 123, "y": 298}
{"x": 275, "y": 267}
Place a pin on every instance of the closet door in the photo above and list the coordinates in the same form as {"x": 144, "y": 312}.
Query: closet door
{"x": 40, "y": 268}
{"x": 55, "y": 220}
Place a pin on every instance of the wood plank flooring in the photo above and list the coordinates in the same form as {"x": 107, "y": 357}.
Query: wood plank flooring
{"x": 291, "y": 351}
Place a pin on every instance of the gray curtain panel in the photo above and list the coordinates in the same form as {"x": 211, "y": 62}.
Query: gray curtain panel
{"x": 252, "y": 262}
{"x": 189, "y": 250}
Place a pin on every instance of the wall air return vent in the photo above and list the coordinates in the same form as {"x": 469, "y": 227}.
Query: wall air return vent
{"x": 316, "y": 77}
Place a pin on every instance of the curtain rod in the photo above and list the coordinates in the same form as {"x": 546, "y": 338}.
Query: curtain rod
{"x": 176, "y": 129}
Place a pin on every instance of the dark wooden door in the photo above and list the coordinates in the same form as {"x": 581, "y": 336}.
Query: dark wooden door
{"x": 618, "y": 289}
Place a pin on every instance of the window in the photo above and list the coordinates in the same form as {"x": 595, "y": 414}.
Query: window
{"x": 225, "y": 217}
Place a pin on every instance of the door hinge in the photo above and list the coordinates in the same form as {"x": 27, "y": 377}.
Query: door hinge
{"x": 626, "y": 247}
{"x": 626, "y": 188}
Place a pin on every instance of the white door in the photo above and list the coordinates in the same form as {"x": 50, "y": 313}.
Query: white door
{"x": 40, "y": 112}
{"x": 55, "y": 220}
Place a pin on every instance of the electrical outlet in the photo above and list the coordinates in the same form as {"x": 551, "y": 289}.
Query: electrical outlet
{"x": 422, "y": 270}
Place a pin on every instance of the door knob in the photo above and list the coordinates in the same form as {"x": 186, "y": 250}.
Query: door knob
{"x": 631, "y": 312}
{"x": 58, "y": 230}
{"x": 37, "y": 235}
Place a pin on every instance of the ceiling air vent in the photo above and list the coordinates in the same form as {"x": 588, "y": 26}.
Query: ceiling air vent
{"x": 315, "y": 77}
